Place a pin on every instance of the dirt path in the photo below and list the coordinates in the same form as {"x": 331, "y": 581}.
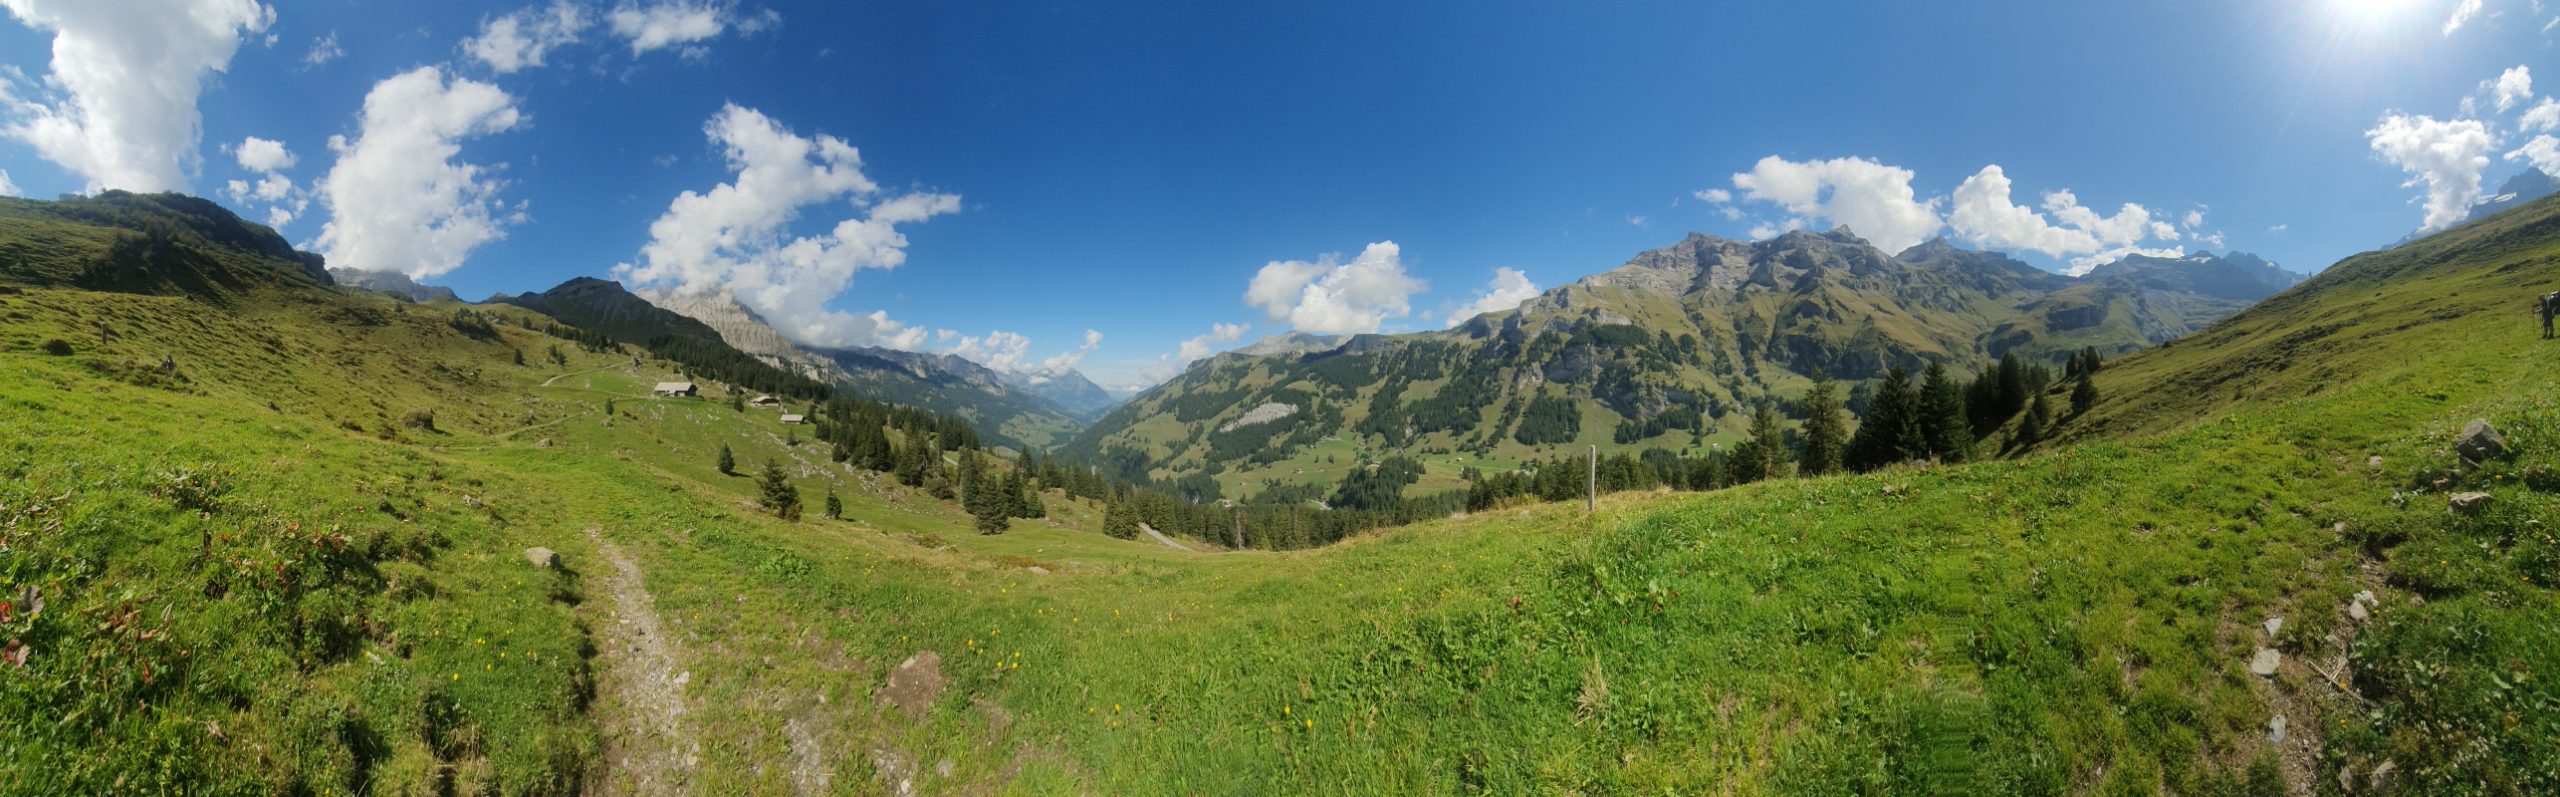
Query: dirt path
{"x": 558, "y": 377}
{"x": 647, "y": 747}
{"x": 1168, "y": 541}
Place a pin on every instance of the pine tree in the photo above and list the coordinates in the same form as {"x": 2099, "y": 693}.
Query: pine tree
{"x": 728, "y": 461}
{"x": 1943, "y": 431}
{"x": 2084, "y": 395}
{"x": 1885, "y": 435}
{"x": 1768, "y": 442}
{"x": 835, "y": 506}
{"x": 1120, "y": 521}
{"x": 1825, "y": 434}
{"x": 519, "y": 357}
{"x": 737, "y": 401}
{"x": 779, "y": 496}
{"x": 2013, "y": 385}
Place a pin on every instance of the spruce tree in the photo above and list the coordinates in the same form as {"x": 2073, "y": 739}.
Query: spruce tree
{"x": 835, "y": 506}
{"x": 2031, "y": 429}
{"x": 728, "y": 462}
{"x": 1768, "y": 442}
{"x": 779, "y": 496}
{"x": 1885, "y": 435}
{"x": 1120, "y": 521}
{"x": 2084, "y": 395}
{"x": 1825, "y": 434}
{"x": 1943, "y": 430}
{"x": 2013, "y": 385}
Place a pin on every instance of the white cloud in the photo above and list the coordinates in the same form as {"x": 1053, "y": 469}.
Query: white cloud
{"x": 2446, "y": 156}
{"x": 1002, "y": 351}
{"x": 1640, "y": 220}
{"x": 668, "y": 23}
{"x": 323, "y": 50}
{"x": 1330, "y": 297}
{"x": 1872, "y": 199}
{"x": 1715, "y": 195}
{"x": 2543, "y": 152}
{"x": 397, "y": 199}
{"x": 1206, "y": 345}
{"x": 737, "y": 237}
{"x": 2195, "y": 218}
{"x": 2278, "y": 228}
{"x": 2512, "y": 87}
{"x": 1062, "y": 362}
{"x": 2081, "y": 266}
{"x": 8, "y": 188}
{"x": 526, "y": 36}
{"x": 1508, "y": 289}
{"x": 2462, "y": 13}
{"x": 125, "y": 78}
{"x": 263, "y": 156}
{"x": 1984, "y": 215}
{"x": 2544, "y": 116}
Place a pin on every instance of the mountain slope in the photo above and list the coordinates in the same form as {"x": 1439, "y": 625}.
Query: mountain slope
{"x": 953, "y": 385}
{"x": 742, "y": 329}
{"x": 1069, "y": 391}
{"x": 168, "y": 244}
{"x": 1670, "y": 350}
{"x": 392, "y": 282}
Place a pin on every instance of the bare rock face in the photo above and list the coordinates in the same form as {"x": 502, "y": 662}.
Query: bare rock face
{"x": 541, "y": 557}
{"x": 2480, "y": 442}
{"x": 2469, "y": 503}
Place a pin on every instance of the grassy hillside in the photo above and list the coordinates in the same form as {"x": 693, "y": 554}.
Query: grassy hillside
{"x": 261, "y": 574}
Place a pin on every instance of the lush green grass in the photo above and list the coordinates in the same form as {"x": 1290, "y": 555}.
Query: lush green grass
{"x": 348, "y": 611}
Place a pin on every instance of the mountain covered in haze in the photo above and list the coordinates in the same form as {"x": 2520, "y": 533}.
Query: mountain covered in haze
{"x": 1669, "y": 350}
{"x": 391, "y": 282}
{"x": 1067, "y": 390}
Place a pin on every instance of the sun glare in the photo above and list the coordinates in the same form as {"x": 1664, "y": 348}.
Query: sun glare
{"x": 2375, "y": 15}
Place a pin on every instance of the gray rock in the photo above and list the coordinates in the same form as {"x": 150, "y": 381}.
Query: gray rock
{"x": 2480, "y": 442}
{"x": 2265, "y": 663}
{"x": 2357, "y": 612}
{"x": 2273, "y": 624}
{"x": 2469, "y": 503}
{"x": 2275, "y": 729}
{"x": 2379, "y": 782}
{"x": 2373, "y": 462}
{"x": 1038, "y": 571}
{"x": 542, "y": 558}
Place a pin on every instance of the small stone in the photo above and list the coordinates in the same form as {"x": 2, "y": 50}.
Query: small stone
{"x": 2379, "y": 781}
{"x": 2340, "y": 529}
{"x": 2469, "y": 503}
{"x": 1038, "y": 571}
{"x": 2275, "y": 729}
{"x": 2479, "y": 442}
{"x": 542, "y": 558}
{"x": 2347, "y": 779}
{"x": 943, "y": 767}
{"x": 2358, "y": 612}
{"x": 2373, "y": 462}
{"x": 2264, "y": 664}
{"x": 2273, "y": 624}
{"x": 542, "y": 443}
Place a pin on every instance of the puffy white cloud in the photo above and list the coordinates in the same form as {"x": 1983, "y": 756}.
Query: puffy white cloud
{"x": 397, "y": 199}
{"x": 2081, "y": 266}
{"x": 2543, "y": 152}
{"x": 263, "y": 156}
{"x": 1206, "y": 345}
{"x": 1715, "y": 195}
{"x": 668, "y": 23}
{"x": 2445, "y": 156}
{"x": 1508, "y": 289}
{"x": 2195, "y": 218}
{"x": 736, "y": 237}
{"x": 1331, "y": 297}
{"x": 1872, "y": 199}
{"x": 1983, "y": 214}
{"x": 2462, "y": 13}
{"x": 2544, "y": 116}
{"x": 125, "y": 78}
{"x": 1062, "y": 362}
{"x": 323, "y": 50}
{"x": 1002, "y": 351}
{"x": 8, "y": 188}
{"x": 526, "y": 36}
{"x": 2512, "y": 87}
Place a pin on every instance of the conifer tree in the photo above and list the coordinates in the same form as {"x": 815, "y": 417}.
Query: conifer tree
{"x": 2013, "y": 385}
{"x": 1120, "y": 521}
{"x": 2031, "y": 429}
{"x": 1825, "y": 434}
{"x": 779, "y": 496}
{"x": 835, "y": 506}
{"x": 2084, "y": 395}
{"x": 1768, "y": 442}
{"x": 728, "y": 462}
{"x": 1885, "y": 436}
{"x": 1943, "y": 430}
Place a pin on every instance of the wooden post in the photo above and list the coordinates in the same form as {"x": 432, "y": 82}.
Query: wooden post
{"x": 1591, "y": 503}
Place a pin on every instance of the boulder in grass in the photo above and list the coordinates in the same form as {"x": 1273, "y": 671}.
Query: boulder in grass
{"x": 2264, "y": 664}
{"x": 541, "y": 557}
{"x": 2469, "y": 503}
{"x": 2480, "y": 442}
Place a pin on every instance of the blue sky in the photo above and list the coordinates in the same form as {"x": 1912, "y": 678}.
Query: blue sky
{"x": 1182, "y": 177}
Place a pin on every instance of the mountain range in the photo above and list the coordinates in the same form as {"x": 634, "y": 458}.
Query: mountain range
{"x": 1685, "y": 339}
